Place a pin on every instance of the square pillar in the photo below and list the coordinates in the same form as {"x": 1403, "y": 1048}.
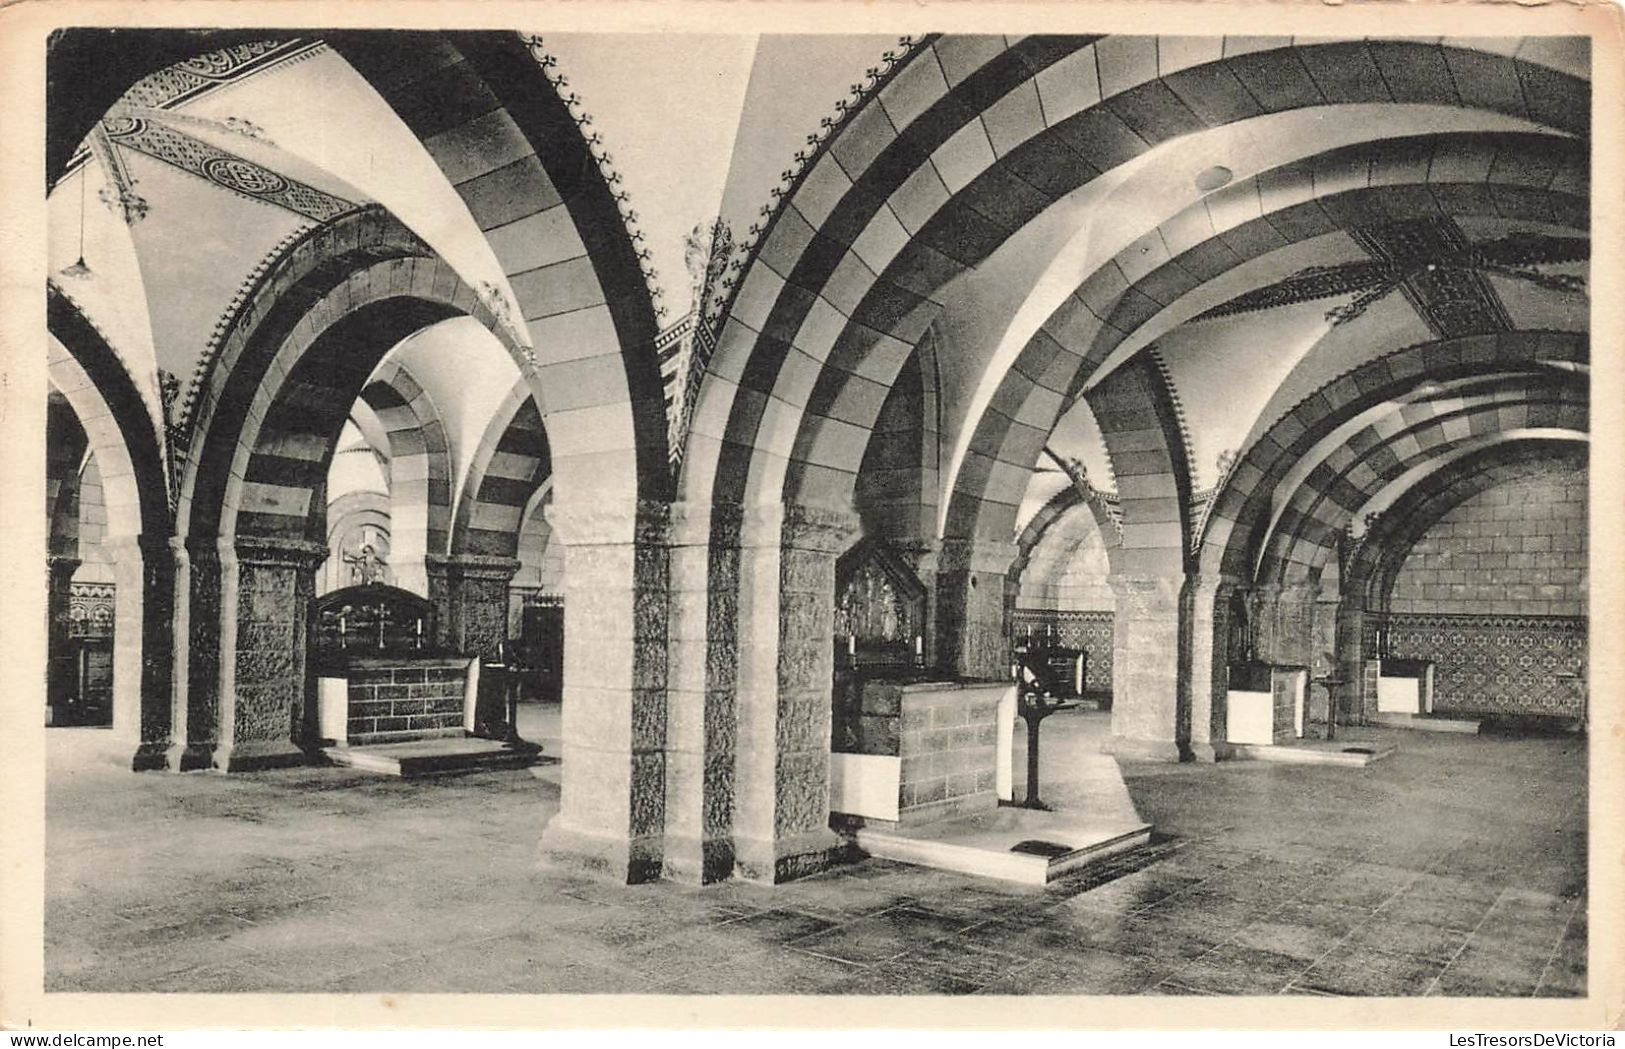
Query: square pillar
{"x": 701, "y": 729}
{"x": 1147, "y": 660}
{"x": 265, "y": 714}
{"x": 786, "y": 674}
{"x": 143, "y": 633}
{"x": 612, "y": 808}
{"x": 61, "y": 668}
{"x": 470, "y": 595}
{"x": 973, "y": 630}
{"x": 1209, "y": 626}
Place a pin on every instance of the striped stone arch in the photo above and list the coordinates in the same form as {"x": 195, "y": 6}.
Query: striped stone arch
{"x": 121, "y": 432}
{"x": 1062, "y": 505}
{"x": 1066, "y": 511}
{"x": 1306, "y": 532}
{"x": 1240, "y": 517}
{"x": 1516, "y": 177}
{"x": 509, "y": 466}
{"x": 294, "y": 358}
{"x": 419, "y": 470}
{"x": 965, "y": 142}
{"x": 65, "y": 446}
{"x": 896, "y": 488}
{"x": 1368, "y": 577}
{"x": 500, "y": 133}
{"x": 129, "y": 451}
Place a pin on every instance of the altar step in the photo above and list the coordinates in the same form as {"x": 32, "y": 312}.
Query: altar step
{"x": 1428, "y": 723}
{"x": 1349, "y": 753}
{"x": 1030, "y": 846}
{"x": 436, "y": 757}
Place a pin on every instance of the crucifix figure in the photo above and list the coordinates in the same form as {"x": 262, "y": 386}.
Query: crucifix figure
{"x": 366, "y": 566}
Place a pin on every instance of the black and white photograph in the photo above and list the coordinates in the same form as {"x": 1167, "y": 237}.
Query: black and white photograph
{"x": 823, "y": 509}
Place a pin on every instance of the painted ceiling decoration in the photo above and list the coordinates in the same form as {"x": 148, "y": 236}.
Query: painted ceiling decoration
{"x": 1437, "y": 268}
{"x": 157, "y": 139}
{"x": 193, "y": 78}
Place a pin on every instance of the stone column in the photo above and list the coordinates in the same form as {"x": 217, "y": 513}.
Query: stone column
{"x": 703, "y": 602}
{"x": 973, "y": 632}
{"x": 612, "y": 815}
{"x": 143, "y": 635}
{"x": 1286, "y": 623}
{"x": 1208, "y": 616}
{"x": 1351, "y": 662}
{"x": 1147, "y": 665}
{"x": 197, "y": 654}
{"x": 265, "y": 713}
{"x": 470, "y": 595}
{"x": 61, "y": 666}
{"x": 786, "y": 675}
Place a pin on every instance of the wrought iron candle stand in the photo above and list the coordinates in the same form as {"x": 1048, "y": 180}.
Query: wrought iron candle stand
{"x": 1034, "y": 707}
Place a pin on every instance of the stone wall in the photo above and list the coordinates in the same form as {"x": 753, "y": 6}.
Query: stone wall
{"x": 1495, "y": 595}
{"x": 393, "y": 703}
{"x": 1515, "y": 549}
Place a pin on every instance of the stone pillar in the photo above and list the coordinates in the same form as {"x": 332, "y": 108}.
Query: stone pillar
{"x": 786, "y": 676}
{"x": 470, "y": 595}
{"x": 973, "y": 631}
{"x": 1208, "y": 616}
{"x": 61, "y": 668}
{"x": 612, "y": 815}
{"x": 703, "y": 602}
{"x": 1286, "y": 623}
{"x": 1149, "y": 663}
{"x": 143, "y": 635}
{"x": 197, "y": 654}
{"x": 1351, "y": 661}
{"x": 266, "y": 716}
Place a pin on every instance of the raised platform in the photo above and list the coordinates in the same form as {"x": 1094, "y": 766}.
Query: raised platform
{"x": 1015, "y": 844}
{"x": 436, "y": 757}
{"x": 1428, "y": 722}
{"x": 1349, "y": 753}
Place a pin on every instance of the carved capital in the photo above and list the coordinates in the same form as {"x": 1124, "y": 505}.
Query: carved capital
{"x": 274, "y": 552}
{"x": 976, "y": 555}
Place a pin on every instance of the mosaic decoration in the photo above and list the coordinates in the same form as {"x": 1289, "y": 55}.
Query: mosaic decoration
{"x": 1496, "y": 664}
{"x": 187, "y": 80}
{"x": 1089, "y": 631}
{"x": 90, "y": 609}
{"x": 1437, "y": 269}
{"x": 226, "y": 170}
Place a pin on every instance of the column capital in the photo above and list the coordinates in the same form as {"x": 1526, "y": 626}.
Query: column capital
{"x": 1220, "y": 585}
{"x": 273, "y": 551}
{"x": 471, "y": 566}
{"x": 799, "y": 526}
{"x": 146, "y": 546}
{"x": 956, "y": 553}
{"x": 643, "y": 522}
{"x": 60, "y": 564}
{"x": 1146, "y": 586}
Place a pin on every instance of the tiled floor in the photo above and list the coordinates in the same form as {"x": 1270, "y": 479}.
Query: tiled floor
{"x": 1454, "y": 868}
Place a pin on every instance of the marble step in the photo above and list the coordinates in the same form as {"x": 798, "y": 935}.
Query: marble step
{"x": 436, "y": 757}
{"x": 1428, "y": 723}
{"x": 1032, "y": 847}
{"x": 1348, "y": 753}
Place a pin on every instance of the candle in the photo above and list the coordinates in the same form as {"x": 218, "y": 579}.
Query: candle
{"x": 919, "y": 645}
{"x": 852, "y": 645}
